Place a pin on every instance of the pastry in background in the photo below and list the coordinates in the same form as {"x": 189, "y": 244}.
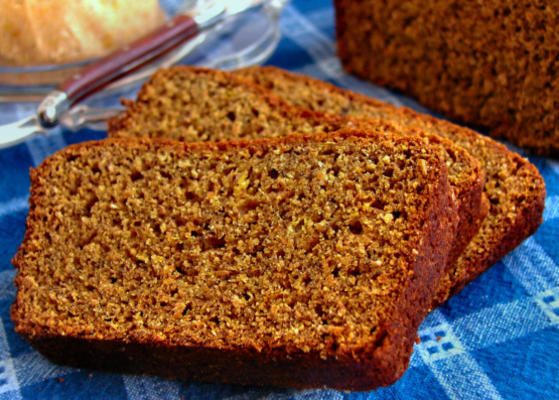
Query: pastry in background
{"x": 37, "y": 32}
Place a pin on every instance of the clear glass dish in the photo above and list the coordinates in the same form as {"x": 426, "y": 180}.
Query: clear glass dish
{"x": 250, "y": 38}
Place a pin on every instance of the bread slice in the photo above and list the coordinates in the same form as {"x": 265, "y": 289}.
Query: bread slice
{"x": 191, "y": 104}
{"x": 514, "y": 187}
{"x": 303, "y": 261}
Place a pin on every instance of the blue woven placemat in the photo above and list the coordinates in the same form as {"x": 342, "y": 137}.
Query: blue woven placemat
{"x": 497, "y": 339}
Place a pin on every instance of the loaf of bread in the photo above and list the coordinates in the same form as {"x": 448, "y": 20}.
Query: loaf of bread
{"x": 490, "y": 63}
{"x": 192, "y": 104}
{"x": 303, "y": 261}
{"x": 514, "y": 187}
{"x": 37, "y": 32}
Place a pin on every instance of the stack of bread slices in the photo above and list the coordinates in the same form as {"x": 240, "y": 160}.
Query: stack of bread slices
{"x": 261, "y": 227}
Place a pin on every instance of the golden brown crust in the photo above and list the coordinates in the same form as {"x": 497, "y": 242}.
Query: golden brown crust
{"x": 491, "y": 64}
{"x": 514, "y": 190}
{"x": 166, "y": 119}
{"x": 79, "y": 332}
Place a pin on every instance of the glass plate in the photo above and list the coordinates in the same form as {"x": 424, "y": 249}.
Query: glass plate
{"x": 249, "y": 38}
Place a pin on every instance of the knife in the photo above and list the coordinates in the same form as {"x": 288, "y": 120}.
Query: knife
{"x": 129, "y": 58}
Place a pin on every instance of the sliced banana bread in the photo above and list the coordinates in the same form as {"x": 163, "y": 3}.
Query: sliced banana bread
{"x": 514, "y": 187}
{"x": 302, "y": 261}
{"x": 191, "y": 104}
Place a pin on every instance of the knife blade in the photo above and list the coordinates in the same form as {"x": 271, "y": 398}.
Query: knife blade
{"x": 18, "y": 131}
{"x": 76, "y": 118}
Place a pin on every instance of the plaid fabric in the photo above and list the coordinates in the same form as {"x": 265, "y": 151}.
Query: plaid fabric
{"x": 497, "y": 339}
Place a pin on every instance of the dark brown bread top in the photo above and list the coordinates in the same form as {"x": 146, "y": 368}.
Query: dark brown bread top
{"x": 488, "y": 63}
{"x": 514, "y": 187}
{"x": 319, "y": 251}
{"x": 193, "y": 104}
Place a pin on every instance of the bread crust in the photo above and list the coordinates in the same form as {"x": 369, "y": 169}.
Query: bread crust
{"x": 379, "y": 362}
{"x": 514, "y": 191}
{"x": 465, "y": 172}
{"x": 502, "y": 77}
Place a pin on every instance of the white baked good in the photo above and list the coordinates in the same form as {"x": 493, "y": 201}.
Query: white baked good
{"x": 36, "y": 32}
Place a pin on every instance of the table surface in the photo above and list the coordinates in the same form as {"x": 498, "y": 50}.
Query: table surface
{"x": 497, "y": 339}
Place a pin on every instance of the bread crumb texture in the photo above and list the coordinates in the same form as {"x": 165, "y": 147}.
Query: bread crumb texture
{"x": 198, "y": 105}
{"x": 317, "y": 248}
{"x": 513, "y": 187}
{"x": 195, "y": 104}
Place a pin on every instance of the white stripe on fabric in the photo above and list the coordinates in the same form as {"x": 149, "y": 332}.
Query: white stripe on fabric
{"x": 4, "y": 347}
{"x": 463, "y": 379}
{"x": 8, "y": 378}
{"x": 432, "y": 319}
{"x": 321, "y": 19}
{"x": 500, "y": 323}
{"x": 32, "y": 367}
{"x": 549, "y": 303}
{"x": 416, "y": 360}
{"x": 551, "y": 208}
{"x": 553, "y": 165}
{"x": 7, "y": 288}
{"x": 438, "y": 342}
{"x": 15, "y": 395}
{"x": 261, "y": 393}
{"x": 316, "y": 394}
{"x": 150, "y": 388}
{"x": 297, "y": 28}
{"x": 40, "y": 147}
{"x": 318, "y": 72}
{"x": 455, "y": 370}
{"x": 530, "y": 264}
{"x": 290, "y": 394}
{"x": 12, "y": 111}
{"x": 13, "y": 206}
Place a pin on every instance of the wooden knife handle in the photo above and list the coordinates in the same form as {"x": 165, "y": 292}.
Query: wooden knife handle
{"x": 130, "y": 57}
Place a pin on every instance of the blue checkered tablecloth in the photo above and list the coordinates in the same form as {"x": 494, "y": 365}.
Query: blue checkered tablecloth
{"x": 497, "y": 339}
